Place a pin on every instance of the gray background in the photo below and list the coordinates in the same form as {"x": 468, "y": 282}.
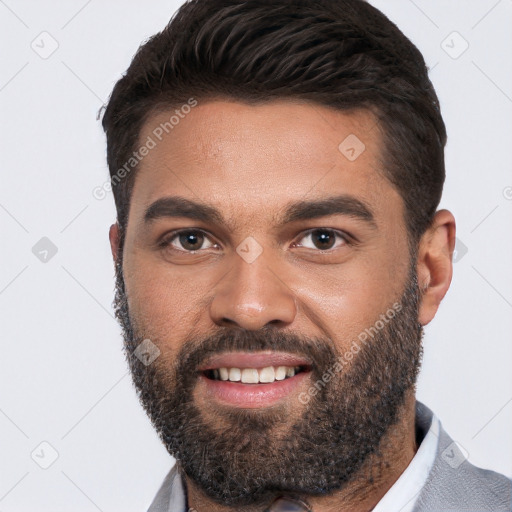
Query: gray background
{"x": 63, "y": 377}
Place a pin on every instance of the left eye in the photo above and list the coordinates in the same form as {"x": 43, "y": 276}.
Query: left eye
{"x": 323, "y": 239}
{"x": 191, "y": 240}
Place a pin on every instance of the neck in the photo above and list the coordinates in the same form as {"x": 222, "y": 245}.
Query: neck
{"x": 366, "y": 488}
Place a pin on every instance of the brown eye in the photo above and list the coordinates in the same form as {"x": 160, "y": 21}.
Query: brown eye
{"x": 191, "y": 240}
{"x": 187, "y": 241}
{"x": 323, "y": 239}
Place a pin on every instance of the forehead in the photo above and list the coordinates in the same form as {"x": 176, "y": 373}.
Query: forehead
{"x": 258, "y": 157}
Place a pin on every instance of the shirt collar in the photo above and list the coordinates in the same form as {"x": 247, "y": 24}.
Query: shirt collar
{"x": 402, "y": 495}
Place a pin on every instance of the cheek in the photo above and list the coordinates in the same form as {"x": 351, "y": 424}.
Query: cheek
{"x": 159, "y": 305}
{"x": 346, "y": 300}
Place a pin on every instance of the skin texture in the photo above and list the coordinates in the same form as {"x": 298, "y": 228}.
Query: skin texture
{"x": 249, "y": 162}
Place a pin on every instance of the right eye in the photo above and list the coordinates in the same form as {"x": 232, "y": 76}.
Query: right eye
{"x": 190, "y": 240}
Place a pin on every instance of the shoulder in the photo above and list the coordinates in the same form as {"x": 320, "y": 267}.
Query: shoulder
{"x": 454, "y": 484}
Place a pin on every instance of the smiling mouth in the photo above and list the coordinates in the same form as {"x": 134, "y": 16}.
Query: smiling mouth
{"x": 266, "y": 375}
{"x": 253, "y": 379}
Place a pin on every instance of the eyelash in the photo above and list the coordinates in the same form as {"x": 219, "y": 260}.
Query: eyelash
{"x": 166, "y": 241}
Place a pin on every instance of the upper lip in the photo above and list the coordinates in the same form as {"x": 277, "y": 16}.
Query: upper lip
{"x": 253, "y": 360}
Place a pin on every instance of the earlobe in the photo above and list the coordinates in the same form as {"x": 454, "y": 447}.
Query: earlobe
{"x": 113, "y": 236}
{"x": 435, "y": 267}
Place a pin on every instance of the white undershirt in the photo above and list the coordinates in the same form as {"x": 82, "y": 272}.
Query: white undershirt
{"x": 403, "y": 494}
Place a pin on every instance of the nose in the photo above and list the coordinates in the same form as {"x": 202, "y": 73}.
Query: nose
{"x": 252, "y": 295}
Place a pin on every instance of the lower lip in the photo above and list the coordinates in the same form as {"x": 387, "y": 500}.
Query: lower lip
{"x": 251, "y": 396}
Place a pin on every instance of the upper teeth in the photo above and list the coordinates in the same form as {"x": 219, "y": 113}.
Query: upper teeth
{"x": 255, "y": 375}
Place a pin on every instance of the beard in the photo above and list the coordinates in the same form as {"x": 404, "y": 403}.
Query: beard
{"x": 248, "y": 457}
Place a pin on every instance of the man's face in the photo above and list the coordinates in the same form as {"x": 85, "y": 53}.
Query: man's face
{"x": 269, "y": 288}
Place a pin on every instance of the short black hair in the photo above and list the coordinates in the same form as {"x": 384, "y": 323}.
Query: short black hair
{"x": 343, "y": 54}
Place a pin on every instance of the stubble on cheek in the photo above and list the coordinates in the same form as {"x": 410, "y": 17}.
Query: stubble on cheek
{"x": 157, "y": 316}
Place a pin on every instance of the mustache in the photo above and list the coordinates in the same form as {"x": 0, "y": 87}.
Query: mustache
{"x": 194, "y": 353}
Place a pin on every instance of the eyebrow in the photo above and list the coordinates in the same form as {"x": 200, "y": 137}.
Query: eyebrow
{"x": 177, "y": 206}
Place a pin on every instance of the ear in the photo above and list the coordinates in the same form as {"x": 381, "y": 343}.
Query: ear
{"x": 435, "y": 267}
{"x": 113, "y": 236}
